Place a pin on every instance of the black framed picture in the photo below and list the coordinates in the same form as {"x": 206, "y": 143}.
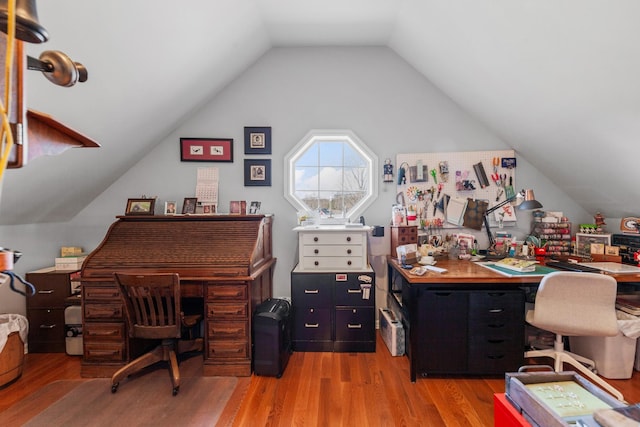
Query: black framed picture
{"x": 257, "y": 172}
{"x": 257, "y": 140}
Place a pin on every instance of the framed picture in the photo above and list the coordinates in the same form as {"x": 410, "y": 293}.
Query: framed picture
{"x": 257, "y": 172}
{"x": 254, "y": 208}
{"x": 206, "y": 150}
{"x": 189, "y": 205}
{"x": 170, "y": 208}
{"x": 238, "y": 207}
{"x": 209, "y": 208}
{"x": 257, "y": 140}
{"x": 140, "y": 206}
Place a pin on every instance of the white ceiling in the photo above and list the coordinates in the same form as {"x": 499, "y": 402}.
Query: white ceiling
{"x": 556, "y": 79}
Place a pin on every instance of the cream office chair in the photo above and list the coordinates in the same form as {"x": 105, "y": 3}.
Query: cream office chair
{"x": 575, "y": 304}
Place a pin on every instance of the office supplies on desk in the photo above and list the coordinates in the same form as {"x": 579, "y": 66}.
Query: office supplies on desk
{"x": 571, "y": 266}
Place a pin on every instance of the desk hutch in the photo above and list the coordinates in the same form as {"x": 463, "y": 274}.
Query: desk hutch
{"x": 224, "y": 261}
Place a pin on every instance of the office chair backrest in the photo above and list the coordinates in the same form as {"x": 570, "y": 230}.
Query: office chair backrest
{"x": 579, "y": 304}
{"x": 152, "y": 304}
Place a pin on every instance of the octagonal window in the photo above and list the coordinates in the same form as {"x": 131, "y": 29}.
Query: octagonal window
{"x": 330, "y": 173}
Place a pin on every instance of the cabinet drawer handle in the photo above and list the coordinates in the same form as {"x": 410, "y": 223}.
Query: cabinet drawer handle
{"x": 48, "y": 291}
{"x": 315, "y": 251}
{"x": 47, "y": 326}
{"x": 354, "y": 291}
{"x": 309, "y": 325}
{"x": 349, "y": 251}
{"x": 348, "y": 238}
{"x": 349, "y": 262}
{"x": 496, "y": 310}
{"x": 315, "y": 239}
{"x": 311, "y": 291}
{"x": 358, "y": 326}
{"x": 316, "y": 263}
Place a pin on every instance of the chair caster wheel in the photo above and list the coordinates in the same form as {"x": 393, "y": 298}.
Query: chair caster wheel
{"x": 114, "y": 387}
{"x": 175, "y": 390}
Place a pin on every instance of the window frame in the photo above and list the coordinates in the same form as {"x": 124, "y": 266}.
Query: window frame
{"x": 343, "y": 135}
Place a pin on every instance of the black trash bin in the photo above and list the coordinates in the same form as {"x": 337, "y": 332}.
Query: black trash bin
{"x": 271, "y": 337}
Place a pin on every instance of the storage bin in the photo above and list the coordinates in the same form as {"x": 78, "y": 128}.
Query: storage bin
{"x": 13, "y": 336}
{"x": 614, "y": 356}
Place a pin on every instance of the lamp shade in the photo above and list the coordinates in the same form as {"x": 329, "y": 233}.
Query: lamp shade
{"x": 530, "y": 201}
{"x": 28, "y": 28}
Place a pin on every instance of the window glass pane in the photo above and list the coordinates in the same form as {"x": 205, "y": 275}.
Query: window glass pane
{"x": 331, "y": 174}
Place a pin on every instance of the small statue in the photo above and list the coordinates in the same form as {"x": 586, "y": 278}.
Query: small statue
{"x": 599, "y": 219}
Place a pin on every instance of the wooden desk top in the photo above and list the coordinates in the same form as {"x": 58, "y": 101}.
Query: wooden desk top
{"x": 459, "y": 271}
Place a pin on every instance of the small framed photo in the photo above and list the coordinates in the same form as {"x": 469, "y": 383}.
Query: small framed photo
{"x": 209, "y": 208}
{"x": 254, "y": 208}
{"x": 257, "y": 140}
{"x": 189, "y": 205}
{"x": 238, "y": 207}
{"x": 140, "y": 206}
{"x": 170, "y": 208}
{"x": 206, "y": 150}
{"x": 257, "y": 172}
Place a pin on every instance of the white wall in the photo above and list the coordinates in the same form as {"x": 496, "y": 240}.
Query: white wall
{"x": 371, "y": 91}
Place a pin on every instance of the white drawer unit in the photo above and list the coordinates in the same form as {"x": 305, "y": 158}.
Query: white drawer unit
{"x": 339, "y": 248}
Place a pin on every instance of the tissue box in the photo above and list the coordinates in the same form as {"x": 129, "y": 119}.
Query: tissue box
{"x": 392, "y": 332}
{"x": 70, "y": 263}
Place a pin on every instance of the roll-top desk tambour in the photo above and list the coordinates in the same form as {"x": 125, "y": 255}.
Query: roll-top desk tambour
{"x": 224, "y": 260}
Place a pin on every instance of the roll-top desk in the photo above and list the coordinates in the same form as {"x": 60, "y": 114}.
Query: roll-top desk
{"x": 225, "y": 261}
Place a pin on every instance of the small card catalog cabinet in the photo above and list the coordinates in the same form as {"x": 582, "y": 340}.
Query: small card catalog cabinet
{"x": 332, "y": 248}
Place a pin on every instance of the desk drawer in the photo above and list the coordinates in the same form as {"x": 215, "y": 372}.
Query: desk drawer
{"x": 311, "y": 290}
{"x": 226, "y": 292}
{"x": 312, "y": 324}
{"x": 227, "y": 309}
{"x": 228, "y": 349}
{"x": 103, "y": 311}
{"x": 331, "y": 238}
{"x": 46, "y": 325}
{"x": 104, "y": 352}
{"x": 355, "y": 324}
{"x": 218, "y": 330}
{"x": 92, "y": 293}
{"x": 332, "y": 250}
{"x": 333, "y": 263}
{"x": 103, "y": 331}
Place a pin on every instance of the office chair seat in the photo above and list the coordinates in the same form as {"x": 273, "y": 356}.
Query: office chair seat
{"x": 153, "y": 311}
{"x": 575, "y": 304}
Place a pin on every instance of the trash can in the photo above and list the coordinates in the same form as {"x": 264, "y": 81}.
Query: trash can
{"x": 271, "y": 337}
{"x": 614, "y": 356}
{"x": 73, "y": 330}
{"x": 14, "y": 329}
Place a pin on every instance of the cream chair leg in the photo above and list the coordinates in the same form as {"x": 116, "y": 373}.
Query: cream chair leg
{"x": 565, "y": 358}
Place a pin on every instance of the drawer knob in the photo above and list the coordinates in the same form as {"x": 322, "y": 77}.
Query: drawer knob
{"x": 316, "y": 263}
{"x": 349, "y": 262}
{"x": 349, "y": 251}
{"x": 315, "y": 251}
{"x": 348, "y": 238}
{"x": 315, "y": 239}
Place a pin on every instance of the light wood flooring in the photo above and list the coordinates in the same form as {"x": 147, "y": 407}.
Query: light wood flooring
{"x": 330, "y": 389}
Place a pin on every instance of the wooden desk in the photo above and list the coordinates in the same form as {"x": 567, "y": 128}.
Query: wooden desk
{"x": 225, "y": 260}
{"x": 469, "y": 320}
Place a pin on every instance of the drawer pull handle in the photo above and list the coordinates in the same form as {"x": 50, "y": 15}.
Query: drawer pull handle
{"x": 349, "y": 251}
{"x": 349, "y": 262}
{"x": 496, "y": 310}
{"x": 315, "y": 239}
{"x": 103, "y": 334}
{"x": 47, "y": 326}
{"x": 311, "y": 291}
{"x": 316, "y": 263}
{"x": 48, "y": 291}
{"x": 310, "y": 325}
{"x": 354, "y": 291}
{"x": 315, "y": 251}
{"x": 358, "y": 326}
{"x": 348, "y": 238}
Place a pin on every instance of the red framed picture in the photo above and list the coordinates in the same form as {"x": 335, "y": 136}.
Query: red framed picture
{"x": 206, "y": 150}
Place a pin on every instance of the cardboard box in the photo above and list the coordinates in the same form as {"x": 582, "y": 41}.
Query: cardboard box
{"x": 70, "y": 263}
{"x": 70, "y": 251}
{"x": 392, "y": 332}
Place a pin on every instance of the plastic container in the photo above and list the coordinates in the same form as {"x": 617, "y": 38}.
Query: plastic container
{"x": 614, "y": 356}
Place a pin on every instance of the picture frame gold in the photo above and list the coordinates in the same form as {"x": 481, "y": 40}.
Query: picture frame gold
{"x": 140, "y": 207}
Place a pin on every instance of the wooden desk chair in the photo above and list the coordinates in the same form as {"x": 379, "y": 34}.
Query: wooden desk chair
{"x": 575, "y": 304}
{"x": 152, "y": 309}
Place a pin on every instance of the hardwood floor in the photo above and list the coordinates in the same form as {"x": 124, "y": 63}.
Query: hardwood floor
{"x": 330, "y": 389}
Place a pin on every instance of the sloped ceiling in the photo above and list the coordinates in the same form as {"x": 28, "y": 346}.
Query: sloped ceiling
{"x": 555, "y": 79}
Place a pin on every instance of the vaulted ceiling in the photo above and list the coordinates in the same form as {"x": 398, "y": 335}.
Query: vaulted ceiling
{"x": 556, "y": 79}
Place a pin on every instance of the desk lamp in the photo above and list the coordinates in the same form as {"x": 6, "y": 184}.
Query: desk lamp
{"x": 528, "y": 203}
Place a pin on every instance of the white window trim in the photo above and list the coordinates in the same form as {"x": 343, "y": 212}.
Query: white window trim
{"x": 338, "y": 134}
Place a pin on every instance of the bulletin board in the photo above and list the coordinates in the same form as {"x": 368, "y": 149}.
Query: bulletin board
{"x": 454, "y": 190}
